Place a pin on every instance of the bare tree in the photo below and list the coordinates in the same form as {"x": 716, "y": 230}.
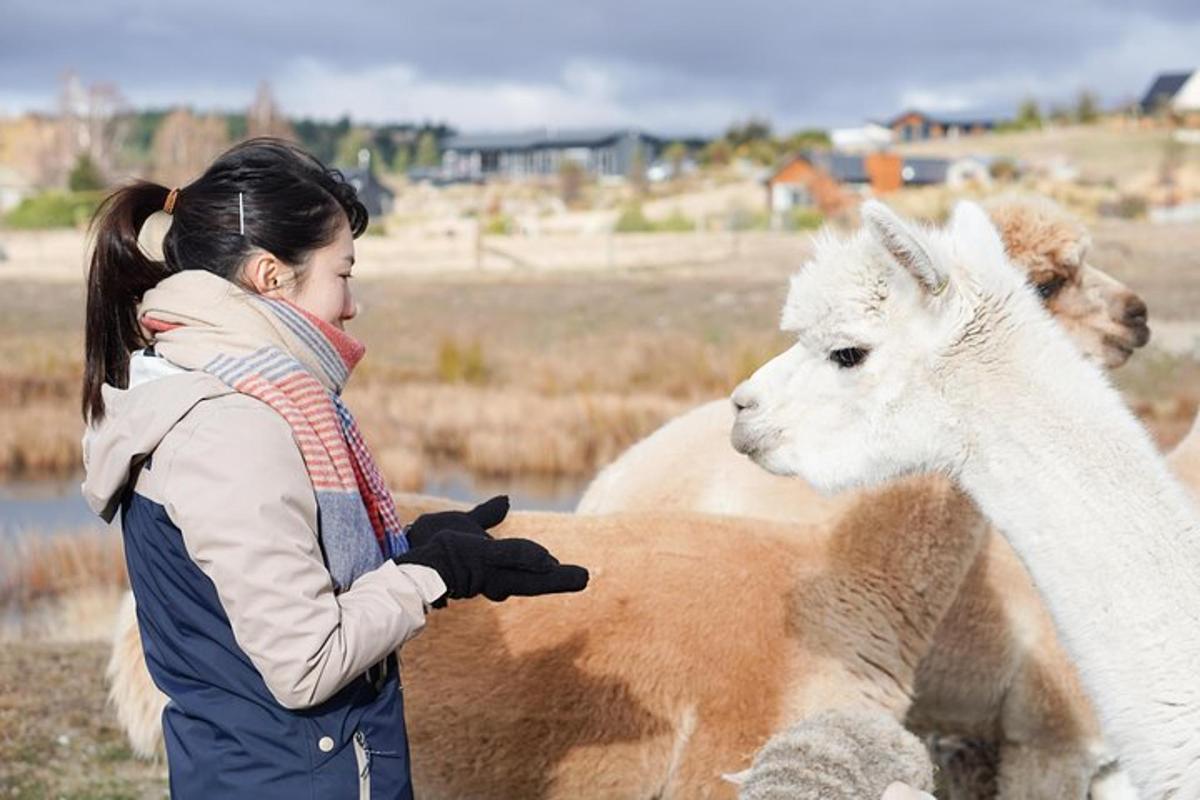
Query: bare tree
{"x": 93, "y": 121}
{"x": 264, "y": 117}
{"x": 185, "y": 144}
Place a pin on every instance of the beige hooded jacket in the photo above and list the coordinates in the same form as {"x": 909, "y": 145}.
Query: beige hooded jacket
{"x": 229, "y": 475}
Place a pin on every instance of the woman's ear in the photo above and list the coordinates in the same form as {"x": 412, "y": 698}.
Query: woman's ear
{"x": 265, "y": 273}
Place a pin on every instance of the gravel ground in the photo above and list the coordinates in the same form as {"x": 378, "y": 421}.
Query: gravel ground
{"x": 57, "y": 738}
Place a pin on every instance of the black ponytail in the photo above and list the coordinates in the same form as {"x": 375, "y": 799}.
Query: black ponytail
{"x": 118, "y": 276}
{"x": 291, "y": 204}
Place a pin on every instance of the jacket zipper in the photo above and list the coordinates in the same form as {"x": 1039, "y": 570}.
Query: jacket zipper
{"x": 363, "y": 760}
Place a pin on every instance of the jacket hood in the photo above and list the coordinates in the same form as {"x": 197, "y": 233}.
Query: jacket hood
{"x": 135, "y": 421}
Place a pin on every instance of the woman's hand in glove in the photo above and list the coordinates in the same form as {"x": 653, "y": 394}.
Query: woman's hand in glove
{"x": 476, "y": 521}
{"x": 471, "y": 565}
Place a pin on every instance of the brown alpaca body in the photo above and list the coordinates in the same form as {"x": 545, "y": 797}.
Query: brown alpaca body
{"x": 696, "y": 639}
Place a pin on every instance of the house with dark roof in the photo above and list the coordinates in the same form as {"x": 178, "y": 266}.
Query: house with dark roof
{"x": 599, "y": 152}
{"x": 1178, "y": 92}
{"x": 830, "y": 181}
{"x": 377, "y": 198}
{"x": 915, "y": 126}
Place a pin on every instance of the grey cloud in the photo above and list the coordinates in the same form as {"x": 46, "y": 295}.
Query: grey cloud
{"x": 794, "y": 61}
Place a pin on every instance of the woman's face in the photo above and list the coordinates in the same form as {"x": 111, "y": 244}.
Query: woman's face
{"x": 325, "y": 290}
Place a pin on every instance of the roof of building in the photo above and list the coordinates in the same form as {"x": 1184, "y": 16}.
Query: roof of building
{"x": 841, "y": 166}
{"x": 372, "y": 192}
{"x": 362, "y": 178}
{"x": 848, "y": 168}
{"x": 544, "y": 137}
{"x": 945, "y": 122}
{"x": 1166, "y": 85}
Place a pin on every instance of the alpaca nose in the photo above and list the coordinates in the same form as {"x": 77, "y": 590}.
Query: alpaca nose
{"x": 743, "y": 399}
{"x": 1135, "y": 312}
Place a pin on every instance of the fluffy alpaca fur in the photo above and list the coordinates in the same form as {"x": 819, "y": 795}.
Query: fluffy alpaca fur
{"x": 996, "y": 671}
{"x": 1185, "y": 458}
{"x": 966, "y": 374}
{"x": 696, "y": 639}
{"x": 838, "y": 754}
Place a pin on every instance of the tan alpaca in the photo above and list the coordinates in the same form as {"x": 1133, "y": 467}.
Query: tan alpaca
{"x": 691, "y": 646}
{"x": 996, "y": 670}
{"x": 697, "y": 638}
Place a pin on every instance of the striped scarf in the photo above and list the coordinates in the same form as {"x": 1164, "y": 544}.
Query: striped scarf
{"x": 297, "y": 364}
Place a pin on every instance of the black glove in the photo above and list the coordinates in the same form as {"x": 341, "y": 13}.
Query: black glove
{"x": 471, "y": 565}
{"x": 476, "y": 521}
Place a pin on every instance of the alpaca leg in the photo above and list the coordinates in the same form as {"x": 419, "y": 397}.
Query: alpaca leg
{"x": 1033, "y": 772}
{"x": 967, "y": 768}
{"x": 137, "y": 701}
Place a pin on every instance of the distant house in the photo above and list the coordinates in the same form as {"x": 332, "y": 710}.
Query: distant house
{"x": 831, "y": 181}
{"x": 377, "y": 198}
{"x": 915, "y": 126}
{"x": 1178, "y": 92}
{"x": 600, "y": 152}
{"x": 827, "y": 181}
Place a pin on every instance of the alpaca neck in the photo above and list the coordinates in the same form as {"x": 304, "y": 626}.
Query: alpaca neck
{"x": 921, "y": 570}
{"x": 1112, "y": 542}
{"x": 1185, "y": 459}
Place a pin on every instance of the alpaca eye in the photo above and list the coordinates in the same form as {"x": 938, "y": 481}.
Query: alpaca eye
{"x": 1049, "y": 288}
{"x": 848, "y": 357}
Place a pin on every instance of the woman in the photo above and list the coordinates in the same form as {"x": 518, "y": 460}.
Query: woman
{"x": 273, "y": 580}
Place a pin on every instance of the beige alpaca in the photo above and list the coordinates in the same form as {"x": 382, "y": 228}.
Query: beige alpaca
{"x": 996, "y": 670}
{"x": 697, "y": 638}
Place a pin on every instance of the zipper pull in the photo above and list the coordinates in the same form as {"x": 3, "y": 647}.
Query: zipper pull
{"x": 361, "y": 741}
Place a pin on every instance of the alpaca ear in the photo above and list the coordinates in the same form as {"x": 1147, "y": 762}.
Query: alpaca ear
{"x": 904, "y": 244}
{"x": 971, "y": 226}
{"x": 981, "y": 247}
{"x": 1075, "y": 253}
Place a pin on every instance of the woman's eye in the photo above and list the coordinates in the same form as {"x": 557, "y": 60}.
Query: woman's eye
{"x": 1047, "y": 289}
{"x": 848, "y": 357}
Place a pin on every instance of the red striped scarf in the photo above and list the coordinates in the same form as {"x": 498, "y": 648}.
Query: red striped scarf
{"x": 358, "y": 520}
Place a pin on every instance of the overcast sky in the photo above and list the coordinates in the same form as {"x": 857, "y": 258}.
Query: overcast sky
{"x": 673, "y": 67}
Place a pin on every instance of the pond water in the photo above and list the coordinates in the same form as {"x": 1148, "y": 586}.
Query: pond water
{"x": 56, "y": 505}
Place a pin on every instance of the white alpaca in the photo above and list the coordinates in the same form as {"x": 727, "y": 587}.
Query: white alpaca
{"x": 922, "y": 350}
{"x": 996, "y": 670}
{"x": 688, "y": 463}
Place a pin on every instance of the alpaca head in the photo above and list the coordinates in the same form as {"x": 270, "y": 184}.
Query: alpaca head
{"x": 885, "y": 322}
{"x": 1104, "y": 317}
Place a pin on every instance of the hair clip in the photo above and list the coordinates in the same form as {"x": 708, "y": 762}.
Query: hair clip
{"x": 169, "y": 205}
{"x": 241, "y": 216}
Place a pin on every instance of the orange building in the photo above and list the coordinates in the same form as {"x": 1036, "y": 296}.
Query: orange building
{"x": 832, "y": 182}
